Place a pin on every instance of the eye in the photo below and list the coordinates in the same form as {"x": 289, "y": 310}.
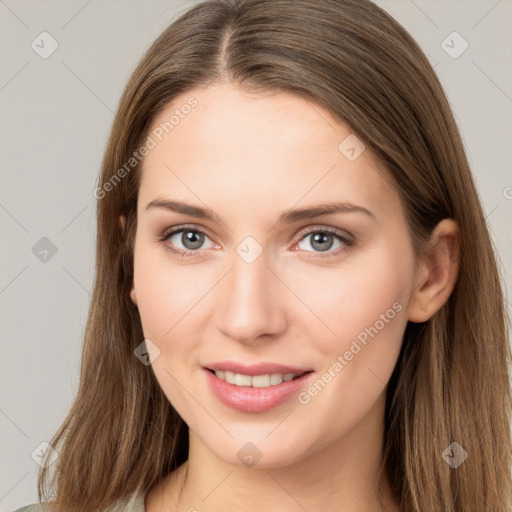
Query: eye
{"x": 191, "y": 239}
{"x": 323, "y": 240}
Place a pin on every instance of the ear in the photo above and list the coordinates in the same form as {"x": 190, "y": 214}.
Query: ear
{"x": 132, "y": 294}
{"x": 122, "y": 225}
{"x": 437, "y": 272}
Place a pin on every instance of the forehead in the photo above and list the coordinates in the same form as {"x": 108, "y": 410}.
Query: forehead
{"x": 226, "y": 116}
{"x": 277, "y": 147}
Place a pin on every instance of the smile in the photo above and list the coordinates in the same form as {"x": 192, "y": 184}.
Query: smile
{"x": 255, "y": 393}
{"x": 255, "y": 381}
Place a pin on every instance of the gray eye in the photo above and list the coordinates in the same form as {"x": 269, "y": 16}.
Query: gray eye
{"x": 320, "y": 241}
{"x": 189, "y": 239}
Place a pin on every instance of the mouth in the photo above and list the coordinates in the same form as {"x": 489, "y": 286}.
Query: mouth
{"x": 255, "y": 393}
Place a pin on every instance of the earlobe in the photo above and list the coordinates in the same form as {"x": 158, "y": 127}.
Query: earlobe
{"x": 122, "y": 226}
{"x": 437, "y": 272}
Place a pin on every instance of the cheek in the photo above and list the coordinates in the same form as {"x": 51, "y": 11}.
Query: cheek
{"x": 166, "y": 294}
{"x": 373, "y": 322}
{"x": 366, "y": 308}
{"x": 169, "y": 300}
{"x": 351, "y": 301}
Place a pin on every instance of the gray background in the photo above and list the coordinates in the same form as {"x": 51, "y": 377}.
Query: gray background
{"x": 56, "y": 114}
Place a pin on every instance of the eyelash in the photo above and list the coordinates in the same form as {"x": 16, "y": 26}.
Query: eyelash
{"x": 348, "y": 242}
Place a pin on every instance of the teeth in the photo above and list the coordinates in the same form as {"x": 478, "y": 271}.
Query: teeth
{"x": 256, "y": 381}
{"x": 242, "y": 380}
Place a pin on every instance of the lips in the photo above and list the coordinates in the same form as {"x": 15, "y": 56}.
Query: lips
{"x": 257, "y": 387}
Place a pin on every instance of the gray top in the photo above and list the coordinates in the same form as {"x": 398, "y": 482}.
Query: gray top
{"x": 133, "y": 503}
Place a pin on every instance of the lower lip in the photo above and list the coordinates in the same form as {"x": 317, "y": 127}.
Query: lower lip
{"x": 249, "y": 399}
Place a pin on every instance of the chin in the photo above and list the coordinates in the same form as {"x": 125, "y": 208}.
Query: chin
{"x": 260, "y": 453}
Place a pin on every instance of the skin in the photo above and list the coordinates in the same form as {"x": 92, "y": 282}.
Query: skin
{"x": 248, "y": 158}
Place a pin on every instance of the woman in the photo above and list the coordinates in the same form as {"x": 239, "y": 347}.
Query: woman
{"x": 297, "y": 305}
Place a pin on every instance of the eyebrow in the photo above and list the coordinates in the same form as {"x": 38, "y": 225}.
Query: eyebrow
{"x": 286, "y": 217}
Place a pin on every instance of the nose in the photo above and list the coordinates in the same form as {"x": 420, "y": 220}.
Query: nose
{"x": 251, "y": 302}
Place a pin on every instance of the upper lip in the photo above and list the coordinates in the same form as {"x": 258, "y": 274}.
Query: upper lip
{"x": 263, "y": 368}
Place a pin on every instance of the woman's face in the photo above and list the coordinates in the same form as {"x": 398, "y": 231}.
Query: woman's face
{"x": 262, "y": 285}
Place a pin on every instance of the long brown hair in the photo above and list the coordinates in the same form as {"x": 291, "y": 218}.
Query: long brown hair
{"x": 451, "y": 381}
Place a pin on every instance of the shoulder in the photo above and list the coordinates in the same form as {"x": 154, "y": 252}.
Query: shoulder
{"x": 36, "y": 507}
{"x": 132, "y": 503}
